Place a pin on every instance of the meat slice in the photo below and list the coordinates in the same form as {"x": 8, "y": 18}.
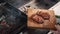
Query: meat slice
{"x": 44, "y": 15}
{"x": 37, "y": 19}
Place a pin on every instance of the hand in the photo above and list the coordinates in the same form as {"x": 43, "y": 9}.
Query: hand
{"x": 58, "y": 29}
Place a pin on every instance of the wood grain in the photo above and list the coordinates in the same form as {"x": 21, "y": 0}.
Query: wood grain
{"x": 48, "y": 24}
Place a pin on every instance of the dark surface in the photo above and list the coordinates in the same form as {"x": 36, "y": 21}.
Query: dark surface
{"x": 14, "y": 18}
{"x": 36, "y": 31}
{"x": 17, "y": 3}
{"x": 2, "y": 1}
{"x": 46, "y": 4}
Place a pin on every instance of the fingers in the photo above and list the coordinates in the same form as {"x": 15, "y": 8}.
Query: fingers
{"x": 57, "y": 27}
{"x": 58, "y": 30}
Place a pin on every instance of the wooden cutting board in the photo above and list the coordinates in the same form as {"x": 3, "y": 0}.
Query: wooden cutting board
{"x": 48, "y": 24}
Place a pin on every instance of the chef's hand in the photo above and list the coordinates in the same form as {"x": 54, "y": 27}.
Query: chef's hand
{"x": 58, "y": 29}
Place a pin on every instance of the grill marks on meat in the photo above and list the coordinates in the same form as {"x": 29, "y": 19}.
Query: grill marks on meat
{"x": 44, "y": 15}
{"x": 37, "y": 19}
